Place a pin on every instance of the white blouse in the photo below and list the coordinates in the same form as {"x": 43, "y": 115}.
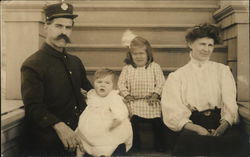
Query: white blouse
{"x": 198, "y": 86}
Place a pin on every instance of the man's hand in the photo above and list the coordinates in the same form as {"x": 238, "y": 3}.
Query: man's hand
{"x": 69, "y": 138}
{"x": 154, "y": 99}
{"x": 128, "y": 99}
{"x": 221, "y": 129}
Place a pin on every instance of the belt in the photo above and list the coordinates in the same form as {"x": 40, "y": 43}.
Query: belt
{"x": 210, "y": 111}
{"x": 207, "y": 113}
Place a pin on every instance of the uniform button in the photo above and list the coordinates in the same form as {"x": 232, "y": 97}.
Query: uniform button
{"x": 75, "y": 107}
{"x": 65, "y": 57}
{"x": 68, "y": 123}
{"x": 70, "y": 72}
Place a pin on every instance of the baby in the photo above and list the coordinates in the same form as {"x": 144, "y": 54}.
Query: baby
{"x": 104, "y": 126}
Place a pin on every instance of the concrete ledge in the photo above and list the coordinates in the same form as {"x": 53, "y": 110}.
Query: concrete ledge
{"x": 12, "y": 115}
{"x": 244, "y": 111}
{"x": 8, "y": 106}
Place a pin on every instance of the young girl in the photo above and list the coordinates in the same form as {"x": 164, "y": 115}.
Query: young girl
{"x": 104, "y": 125}
{"x": 140, "y": 83}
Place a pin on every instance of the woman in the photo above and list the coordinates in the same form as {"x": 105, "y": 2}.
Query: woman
{"x": 199, "y": 101}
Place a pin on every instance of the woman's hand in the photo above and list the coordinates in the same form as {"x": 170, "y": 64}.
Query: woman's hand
{"x": 221, "y": 129}
{"x": 202, "y": 131}
{"x": 197, "y": 128}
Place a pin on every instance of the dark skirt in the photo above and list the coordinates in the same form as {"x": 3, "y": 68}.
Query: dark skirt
{"x": 234, "y": 142}
{"x": 157, "y": 131}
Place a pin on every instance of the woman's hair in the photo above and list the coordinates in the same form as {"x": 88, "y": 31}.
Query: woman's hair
{"x": 139, "y": 42}
{"x": 101, "y": 73}
{"x": 204, "y": 30}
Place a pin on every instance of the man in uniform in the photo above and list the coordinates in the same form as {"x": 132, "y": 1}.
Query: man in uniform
{"x": 51, "y": 81}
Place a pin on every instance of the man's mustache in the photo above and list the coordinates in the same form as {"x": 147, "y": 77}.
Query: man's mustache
{"x": 62, "y": 36}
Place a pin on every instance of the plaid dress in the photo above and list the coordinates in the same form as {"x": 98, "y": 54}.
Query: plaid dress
{"x": 141, "y": 82}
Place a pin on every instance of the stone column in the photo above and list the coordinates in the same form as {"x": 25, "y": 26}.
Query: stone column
{"x": 21, "y": 26}
{"x": 233, "y": 16}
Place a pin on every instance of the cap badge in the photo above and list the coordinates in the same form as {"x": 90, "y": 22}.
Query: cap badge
{"x": 64, "y": 6}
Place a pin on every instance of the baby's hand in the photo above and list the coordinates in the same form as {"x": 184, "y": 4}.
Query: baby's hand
{"x": 154, "y": 99}
{"x": 114, "y": 124}
{"x": 84, "y": 93}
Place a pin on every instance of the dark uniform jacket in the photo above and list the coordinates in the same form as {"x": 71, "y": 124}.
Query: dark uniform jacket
{"x": 50, "y": 86}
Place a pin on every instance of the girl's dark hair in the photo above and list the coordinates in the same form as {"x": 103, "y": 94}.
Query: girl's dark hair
{"x": 204, "y": 30}
{"x": 139, "y": 42}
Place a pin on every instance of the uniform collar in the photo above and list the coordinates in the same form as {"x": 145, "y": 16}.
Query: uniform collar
{"x": 53, "y": 52}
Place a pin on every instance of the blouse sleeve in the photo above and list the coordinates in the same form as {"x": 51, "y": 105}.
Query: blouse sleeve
{"x": 175, "y": 113}
{"x": 123, "y": 85}
{"x": 159, "y": 79}
{"x": 229, "y": 110}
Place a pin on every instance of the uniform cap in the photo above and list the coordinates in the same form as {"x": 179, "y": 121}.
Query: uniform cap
{"x": 59, "y": 10}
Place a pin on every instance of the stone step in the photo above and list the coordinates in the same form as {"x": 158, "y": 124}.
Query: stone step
{"x": 113, "y": 55}
{"x": 145, "y": 17}
{"x": 145, "y": 12}
{"x": 112, "y": 33}
{"x": 122, "y": 12}
{"x": 169, "y": 57}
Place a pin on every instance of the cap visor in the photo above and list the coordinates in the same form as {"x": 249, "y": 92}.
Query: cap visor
{"x": 71, "y": 16}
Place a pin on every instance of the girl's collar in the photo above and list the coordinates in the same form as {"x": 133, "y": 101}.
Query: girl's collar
{"x": 145, "y": 66}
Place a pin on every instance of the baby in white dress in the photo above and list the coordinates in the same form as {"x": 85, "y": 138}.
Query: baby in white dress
{"x": 104, "y": 124}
